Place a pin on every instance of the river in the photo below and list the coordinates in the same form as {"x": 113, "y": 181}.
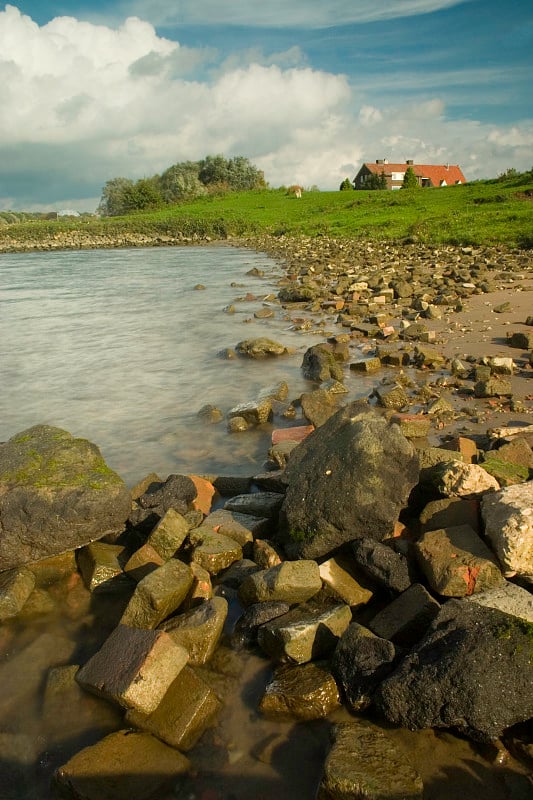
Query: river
{"x": 122, "y": 347}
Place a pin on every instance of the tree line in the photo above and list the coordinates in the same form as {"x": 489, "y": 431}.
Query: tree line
{"x": 182, "y": 181}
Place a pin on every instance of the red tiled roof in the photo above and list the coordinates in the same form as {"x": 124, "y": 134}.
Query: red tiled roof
{"x": 436, "y": 173}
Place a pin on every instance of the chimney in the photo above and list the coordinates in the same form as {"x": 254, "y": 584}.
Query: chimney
{"x": 410, "y": 162}
{"x": 380, "y": 160}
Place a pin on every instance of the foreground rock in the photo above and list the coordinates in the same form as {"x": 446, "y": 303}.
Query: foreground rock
{"x": 358, "y": 469}
{"x": 364, "y": 763}
{"x": 126, "y": 765}
{"x": 472, "y": 671}
{"x": 508, "y": 516}
{"x": 56, "y": 494}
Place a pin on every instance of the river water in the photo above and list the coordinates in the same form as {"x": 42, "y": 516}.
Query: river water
{"x": 120, "y": 347}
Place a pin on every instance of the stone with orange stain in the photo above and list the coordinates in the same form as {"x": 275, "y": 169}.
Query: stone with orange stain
{"x": 296, "y": 433}
{"x": 205, "y": 493}
{"x": 456, "y": 562}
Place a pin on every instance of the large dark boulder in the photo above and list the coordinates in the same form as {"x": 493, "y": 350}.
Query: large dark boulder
{"x": 349, "y": 478}
{"x": 473, "y": 671}
{"x": 319, "y": 364}
{"x": 56, "y": 494}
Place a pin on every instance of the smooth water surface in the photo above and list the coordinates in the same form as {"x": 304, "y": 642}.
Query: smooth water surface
{"x": 118, "y": 346}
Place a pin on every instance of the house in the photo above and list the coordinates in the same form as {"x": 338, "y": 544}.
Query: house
{"x": 426, "y": 174}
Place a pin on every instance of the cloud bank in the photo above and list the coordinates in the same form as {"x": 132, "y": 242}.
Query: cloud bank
{"x": 280, "y": 13}
{"x": 83, "y": 103}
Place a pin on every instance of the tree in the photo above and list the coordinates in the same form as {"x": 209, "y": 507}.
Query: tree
{"x": 410, "y": 181}
{"x": 345, "y": 185}
{"x": 181, "y": 182}
{"x": 376, "y": 181}
{"x": 116, "y": 197}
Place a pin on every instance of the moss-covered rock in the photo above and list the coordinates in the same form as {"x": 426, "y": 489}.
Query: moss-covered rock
{"x": 56, "y": 494}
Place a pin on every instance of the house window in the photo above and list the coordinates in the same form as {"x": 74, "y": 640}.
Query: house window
{"x": 398, "y": 176}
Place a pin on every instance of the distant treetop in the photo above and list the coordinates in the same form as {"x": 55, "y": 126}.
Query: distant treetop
{"x": 182, "y": 181}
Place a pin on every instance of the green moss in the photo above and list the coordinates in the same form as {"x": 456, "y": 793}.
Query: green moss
{"x": 505, "y": 472}
{"x": 519, "y": 626}
{"x": 300, "y": 536}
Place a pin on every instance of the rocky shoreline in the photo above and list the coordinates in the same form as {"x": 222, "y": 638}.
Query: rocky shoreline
{"x": 382, "y": 566}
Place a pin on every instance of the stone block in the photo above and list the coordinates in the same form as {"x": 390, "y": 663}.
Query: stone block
{"x": 100, "y": 567}
{"x": 360, "y": 662}
{"x": 134, "y": 668}
{"x": 449, "y": 512}
{"x": 53, "y": 569}
{"x": 126, "y": 765}
{"x": 265, "y": 554}
{"x": 290, "y": 581}
{"x": 339, "y": 577}
{"x": 188, "y": 708}
{"x": 213, "y": 551}
{"x": 456, "y": 562}
{"x": 205, "y": 491}
{"x": 199, "y": 629}
{"x": 364, "y": 763}
{"x": 366, "y": 365}
{"x": 169, "y": 534}
{"x": 143, "y": 561}
{"x": 16, "y": 585}
{"x": 158, "y": 594}
{"x": 306, "y": 633}
{"x": 509, "y": 598}
{"x": 303, "y": 692}
{"x": 406, "y": 619}
{"x": 508, "y": 519}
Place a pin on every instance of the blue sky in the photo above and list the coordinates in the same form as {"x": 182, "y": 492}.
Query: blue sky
{"x": 308, "y": 90}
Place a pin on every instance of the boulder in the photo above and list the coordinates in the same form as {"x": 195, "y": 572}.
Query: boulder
{"x": 472, "y": 671}
{"x": 56, "y": 494}
{"x": 254, "y": 412}
{"x": 260, "y": 348}
{"x": 358, "y": 469}
{"x": 382, "y": 564}
{"x": 508, "y": 519}
{"x": 360, "y": 662}
{"x": 365, "y": 763}
{"x": 318, "y": 406}
{"x": 177, "y": 492}
{"x": 456, "y": 479}
{"x": 126, "y": 765}
{"x": 509, "y": 598}
{"x": 303, "y": 692}
{"x": 319, "y": 364}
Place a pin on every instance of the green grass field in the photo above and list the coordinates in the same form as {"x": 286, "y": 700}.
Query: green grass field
{"x": 490, "y": 213}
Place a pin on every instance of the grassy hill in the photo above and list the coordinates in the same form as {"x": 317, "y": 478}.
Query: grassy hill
{"x": 489, "y": 212}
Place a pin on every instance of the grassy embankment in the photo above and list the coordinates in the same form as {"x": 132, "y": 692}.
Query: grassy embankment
{"x": 482, "y": 213}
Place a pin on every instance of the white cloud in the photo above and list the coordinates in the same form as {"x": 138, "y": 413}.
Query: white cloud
{"x": 83, "y": 103}
{"x": 279, "y": 13}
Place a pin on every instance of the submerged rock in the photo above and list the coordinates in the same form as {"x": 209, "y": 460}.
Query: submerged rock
{"x": 56, "y": 494}
{"x": 126, "y": 765}
{"x": 306, "y": 691}
{"x": 364, "y": 763}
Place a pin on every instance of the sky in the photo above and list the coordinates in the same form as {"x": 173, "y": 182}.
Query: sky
{"x": 308, "y": 90}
